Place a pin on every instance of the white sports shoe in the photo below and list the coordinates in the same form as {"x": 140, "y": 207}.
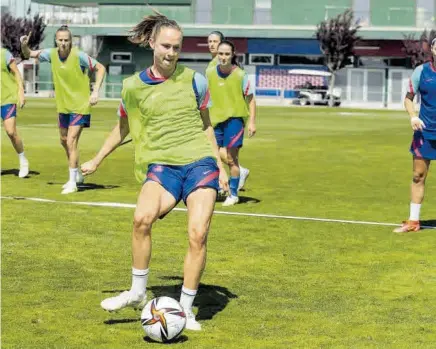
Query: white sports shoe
{"x": 69, "y": 187}
{"x": 124, "y": 299}
{"x": 24, "y": 169}
{"x": 243, "y": 176}
{"x": 191, "y": 323}
{"x": 231, "y": 200}
{"x": 79, "y": 177}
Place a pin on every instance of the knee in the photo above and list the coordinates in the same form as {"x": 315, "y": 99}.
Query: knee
{"x": 142, "y": 222}
{"x": 231, "y": 160}
{"x": 198, "y": 236}
{"x": 232, "y": 156}
{"x": 418, "y": 177}
{"x": 12, "y": 134}
{"x": 63, "y": 141}
{"x": 71, "y": 143}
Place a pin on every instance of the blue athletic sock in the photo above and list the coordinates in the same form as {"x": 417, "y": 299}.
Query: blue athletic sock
{"x": 234, "y": 184}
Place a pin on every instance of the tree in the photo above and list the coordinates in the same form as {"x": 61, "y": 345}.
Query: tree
{"x": 419, "y": 50}
{"x": 337, "y": 37}
{"x": 13, "y": 28}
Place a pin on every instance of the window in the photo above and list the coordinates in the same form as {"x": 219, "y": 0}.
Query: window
{"x": 121, "y": 57}
{"x": 262, "y": 12}
{"x": 291, "y": 60}
{"x": 399, "y": 62}
{"x": 425, "y": 10}
{"x": 241, "y": 59}
{"x": 361, "y": 10}
{"x": 203, "y": 11}
{"x": 115, "y": 70}
{"x": 192, "y": 57}
{"x": 265, "y": 4}
{"x": 261, "y": 59}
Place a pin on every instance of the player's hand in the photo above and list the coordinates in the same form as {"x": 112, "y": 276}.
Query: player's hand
{"x": 417, "y": 124}
{"x": 251, "y": 129}
{"x": 93, "y": 99}
{"x": 88, "y": 167}
{"x": 25, "y": 39}
{"x": 21, "y": 100}
{"x": 224, "y": 180}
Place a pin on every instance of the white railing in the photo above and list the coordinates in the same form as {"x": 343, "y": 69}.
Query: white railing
{"x": 360, "y": 88}
{"x": 45, "y": 89}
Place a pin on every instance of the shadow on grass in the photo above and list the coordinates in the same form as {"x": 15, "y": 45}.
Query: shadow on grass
{"x": 180, "y": 339}
{"x": 242, "y": 199}
{"x": 210, "y": 299}
{"x": 121, "y": 321}
{"x": 88, "y": 186}
{"x": 429, "y": 223}
{"x": 248, "y": 200}
{"x": 14, "y": 172}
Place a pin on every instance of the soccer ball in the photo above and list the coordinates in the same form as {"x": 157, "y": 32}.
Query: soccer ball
{"x": 163, "y": 319}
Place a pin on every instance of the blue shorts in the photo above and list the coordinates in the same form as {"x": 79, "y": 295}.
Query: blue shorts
{"x": 423, "y": 148}
{"x": 230, "y": 133}
{"x": 73, "y": 119}
{"x": 180, "y": 181}
{"x": 9, "y": 111}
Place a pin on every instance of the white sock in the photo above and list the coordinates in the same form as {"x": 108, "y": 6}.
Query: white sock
{"x": 139, "y": 281}
{"x": 73, "y": 174}
{"x": 414, "y": 211}
{"x": 187, "y": 298}
{"x": 22, "y": 157}
{"x": 242, "y": 168}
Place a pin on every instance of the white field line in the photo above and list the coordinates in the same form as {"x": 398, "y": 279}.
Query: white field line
{"x": 244, "y": 214}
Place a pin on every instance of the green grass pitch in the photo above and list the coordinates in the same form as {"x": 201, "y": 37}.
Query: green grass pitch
{"x": 269, "y": 282}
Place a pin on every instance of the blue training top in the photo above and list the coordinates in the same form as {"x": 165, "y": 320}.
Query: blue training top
{"x": 423, "y": 81}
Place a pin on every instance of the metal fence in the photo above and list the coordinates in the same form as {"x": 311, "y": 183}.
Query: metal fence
{"x": 46, "y": 89}
{"x": 360, "y": 88}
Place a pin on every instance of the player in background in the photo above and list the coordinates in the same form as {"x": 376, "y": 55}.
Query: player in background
{"x": 165, "y": 109}
{"x": 233, "y": 103}
{"x": 73, "y": 96}
{"x": 213, "y": 41}
{"x": 12, "y": 94}
{"x": 423, "y": 148}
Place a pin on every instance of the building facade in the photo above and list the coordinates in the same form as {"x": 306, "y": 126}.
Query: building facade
{"x": 271, "y": 36}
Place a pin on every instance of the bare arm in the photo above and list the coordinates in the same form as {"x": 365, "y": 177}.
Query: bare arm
{"x": 14, "y": 69}
{"x": 415, "y": 121}
{"x": 408, "y": 104}
{"x": 99, "y": 76}
{"x": 30, "y": 53}
{"x": 101, "y": 71}
{"x": 252, "y": 121}
{"x": 25, "y": 49}
{"x": 119, "y": 132}
{"x": 210, "y": 134}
